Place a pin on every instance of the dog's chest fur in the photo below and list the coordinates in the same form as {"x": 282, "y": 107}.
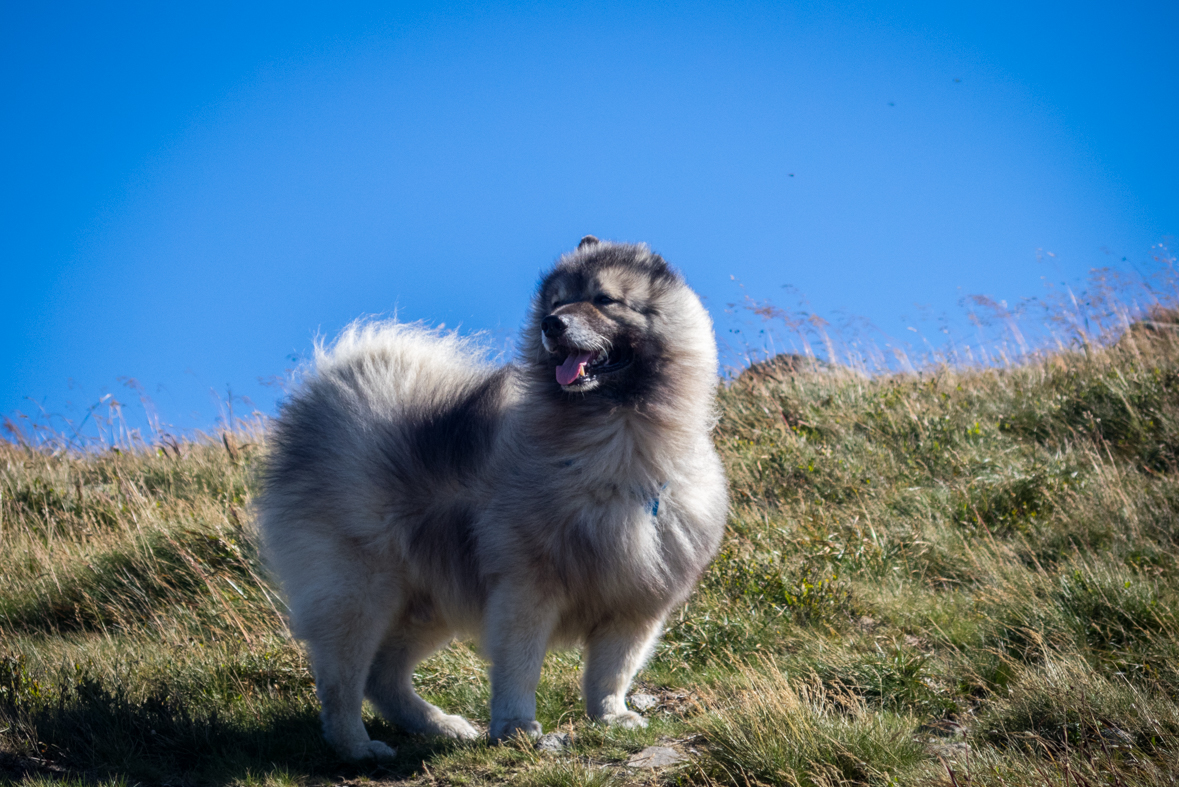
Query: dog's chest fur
{"x": 605, "y": 526}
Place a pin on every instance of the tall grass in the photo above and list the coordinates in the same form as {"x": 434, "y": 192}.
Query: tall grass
{"x": 967, "y": 573}
{"x": 987, "y": 332}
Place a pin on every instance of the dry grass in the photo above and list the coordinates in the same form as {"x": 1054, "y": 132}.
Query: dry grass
{"x": 963, "y": 576}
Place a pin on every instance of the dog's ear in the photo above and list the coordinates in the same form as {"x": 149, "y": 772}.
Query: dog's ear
{"x": 588, "y": 240}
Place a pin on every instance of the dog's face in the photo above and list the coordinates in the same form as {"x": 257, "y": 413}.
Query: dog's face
{"x": 599, "y": 321}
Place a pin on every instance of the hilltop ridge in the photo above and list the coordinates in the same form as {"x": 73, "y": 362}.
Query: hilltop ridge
{"x": 953, "y": 576}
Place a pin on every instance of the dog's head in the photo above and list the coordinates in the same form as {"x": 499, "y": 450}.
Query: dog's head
{"x": 607, "y": 321}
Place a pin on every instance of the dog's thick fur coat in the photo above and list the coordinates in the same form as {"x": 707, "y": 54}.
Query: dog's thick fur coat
{"x": 415, "y": 493}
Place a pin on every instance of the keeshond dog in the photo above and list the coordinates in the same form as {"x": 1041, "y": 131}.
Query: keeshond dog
{"x": 415, "y": 493}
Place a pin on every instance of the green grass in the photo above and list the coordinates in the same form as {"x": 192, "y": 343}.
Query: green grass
{"x": 959, "y": 576}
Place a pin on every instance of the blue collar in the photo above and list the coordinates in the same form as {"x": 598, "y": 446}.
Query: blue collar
{"x": 653, "y": 503}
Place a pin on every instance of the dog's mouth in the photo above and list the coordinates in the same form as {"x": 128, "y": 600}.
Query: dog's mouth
{"x": 581, "y": 367}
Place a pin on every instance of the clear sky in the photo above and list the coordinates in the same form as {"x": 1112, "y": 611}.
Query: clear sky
{"x": 193, "y": 191}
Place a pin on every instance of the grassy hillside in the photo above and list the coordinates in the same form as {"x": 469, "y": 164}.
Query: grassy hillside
{"x": 957, "y": 577}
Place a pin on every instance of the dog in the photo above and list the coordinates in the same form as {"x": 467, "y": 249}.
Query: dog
{"x": 415, "y": 492}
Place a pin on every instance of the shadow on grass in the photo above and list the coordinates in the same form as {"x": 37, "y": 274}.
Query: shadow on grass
{"x": 93, "y": 732}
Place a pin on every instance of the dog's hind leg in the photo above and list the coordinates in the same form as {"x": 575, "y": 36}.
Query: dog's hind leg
{"x": 343, "y": 631}
{"x": 390, "y": 682}
{"x": 614, "y": 653}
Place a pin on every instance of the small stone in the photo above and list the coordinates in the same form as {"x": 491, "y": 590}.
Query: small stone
{"x": 554, "y": 742}
{"x": 655, "y": 757}
{"x": 1117, "y": 736}
{"x": 643, "y": 702}
{"x": 950, "y": 751}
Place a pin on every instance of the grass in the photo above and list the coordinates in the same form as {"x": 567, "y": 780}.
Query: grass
{"x": 959, "y": 576}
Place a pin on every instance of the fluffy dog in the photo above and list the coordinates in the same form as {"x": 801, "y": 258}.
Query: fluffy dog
{"x": 415, "y": 493}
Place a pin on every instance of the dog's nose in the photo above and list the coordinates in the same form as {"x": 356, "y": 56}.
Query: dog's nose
{"x": 552, "y": 326}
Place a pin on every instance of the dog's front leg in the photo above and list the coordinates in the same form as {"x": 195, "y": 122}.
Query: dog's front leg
{"x": 516, "y": 635}
{"x": 614, "y": 653}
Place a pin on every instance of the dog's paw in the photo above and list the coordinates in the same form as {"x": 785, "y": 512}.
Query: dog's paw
{"x": 371, "y": 750}
{"x": 504, "y": 729}
{"x": 452, "y": 727}
{"x": 627, "y": 719}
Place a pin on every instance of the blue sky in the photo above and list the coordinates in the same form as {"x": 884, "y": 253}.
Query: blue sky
{"x": 194, "y": 191}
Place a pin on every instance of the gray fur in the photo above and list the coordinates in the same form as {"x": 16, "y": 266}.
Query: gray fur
{"x": 415, "y": 493}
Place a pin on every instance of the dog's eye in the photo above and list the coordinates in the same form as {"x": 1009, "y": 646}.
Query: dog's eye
{"x": 603, "y": 300}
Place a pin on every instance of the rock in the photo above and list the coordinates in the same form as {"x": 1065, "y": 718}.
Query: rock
{"x": 643, "y": 702}
{"x": 781, "y": 368}
{"x": 1114, "y": 735}
{"x": 554, "y": 742}
{"x": 1159, "y": 324}
{"x": 655, "y": 757}
{"x": 950, "y": 751}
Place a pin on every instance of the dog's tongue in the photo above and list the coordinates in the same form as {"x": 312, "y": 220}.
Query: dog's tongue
{"x": 573, "y": 367}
